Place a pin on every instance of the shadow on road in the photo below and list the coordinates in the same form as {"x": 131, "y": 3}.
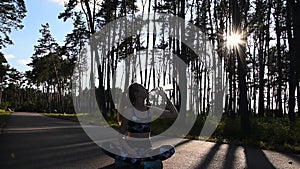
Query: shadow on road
{"x": 111, "y": 166}
{"x": 227, "y": 157}
{"x": 230, "y": 157}
{"x": 293, "y": 157}
{"x": 256, "y": 158}
{"x": 209, "y": 157}
{"x": 182, "y": 143}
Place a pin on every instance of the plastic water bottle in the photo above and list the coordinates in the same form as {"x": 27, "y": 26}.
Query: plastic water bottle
{"x": 167, "y": 87}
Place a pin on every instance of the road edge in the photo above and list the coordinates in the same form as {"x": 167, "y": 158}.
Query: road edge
{"x": 3, "y": 125}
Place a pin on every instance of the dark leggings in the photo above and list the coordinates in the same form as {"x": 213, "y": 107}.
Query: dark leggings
{"x": 161, "y": 153}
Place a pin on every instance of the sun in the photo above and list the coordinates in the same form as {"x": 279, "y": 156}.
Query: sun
{"x": 233, "y": 40}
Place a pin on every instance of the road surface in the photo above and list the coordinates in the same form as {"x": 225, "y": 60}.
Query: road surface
{"x": 31, "y": 140}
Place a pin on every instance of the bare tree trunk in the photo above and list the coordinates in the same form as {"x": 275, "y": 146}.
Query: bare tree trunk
{"x": 206, "y": 91}
{"x": 1, "y": 88}
{"x": 261, "y": 104}
{"x": 267, "y": 48}
{"x": 147, "y": 47}
{"x": 279, "y": 62}
{"x": 234, "y": 86}
{"x": 298, "y": 95}
{"x": 253, "y": 77}
{"x": 293, "y": 76}
{"x": 241, "y": 57}
{"x": 183, "y": 56}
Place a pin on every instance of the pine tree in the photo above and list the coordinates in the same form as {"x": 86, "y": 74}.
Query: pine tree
{"x": 12, "y": 12}
{"x": 46, "y": 64}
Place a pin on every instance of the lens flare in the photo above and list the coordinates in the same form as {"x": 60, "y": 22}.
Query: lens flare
{"x": 233, "y": 40}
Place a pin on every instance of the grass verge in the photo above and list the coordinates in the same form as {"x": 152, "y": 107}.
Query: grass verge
{"x": 90, "y": 119}
{"x": 71, "y": 117}
{"x": 3, "y": 117}
{"x": 266, "y": 133}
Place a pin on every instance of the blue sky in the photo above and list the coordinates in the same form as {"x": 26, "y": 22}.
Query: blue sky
{"x": 38, "y": 12}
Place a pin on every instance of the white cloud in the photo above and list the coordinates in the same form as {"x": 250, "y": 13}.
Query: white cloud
{"x": 9, "y": 56}
{"x": 63, "y": 2}
{"x": 24, "y": 61}
{"x": 60, "y": 2}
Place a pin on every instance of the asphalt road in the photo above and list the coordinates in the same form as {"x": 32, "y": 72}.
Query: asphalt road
{"x": 31, "y": 140}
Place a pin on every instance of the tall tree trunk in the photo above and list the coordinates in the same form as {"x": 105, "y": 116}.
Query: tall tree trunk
{"x": 234, "y": 86}
{"x": 279, "y": 62}
{"x": 267, "y": 48}
{"x": 261, "y": 104}
{"x": 293, "y": 17}
{"x": 292, "y": 74}
{"x": 253, "y": 93}
{"x": 231, "y": 109}
{"x": 183, "y": 56}
{"x": 206, "y": 92}
{"x": 298, "y": 94}
{"x": 296, "y": 25}
{"x": 242, "y": 71}
{"x": 261, "y": 59}
{"x": 147, "y": 47}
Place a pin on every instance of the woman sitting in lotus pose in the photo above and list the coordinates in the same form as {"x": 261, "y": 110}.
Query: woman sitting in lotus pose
{"x": 136, "y": 127}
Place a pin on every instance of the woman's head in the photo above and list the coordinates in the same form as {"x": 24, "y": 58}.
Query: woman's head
{"x": 137, "y": 91}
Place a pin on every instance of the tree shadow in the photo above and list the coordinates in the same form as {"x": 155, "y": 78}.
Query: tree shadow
{"x": 209, "y": 157}
{"x": 230, "y": 157}
{"x": 182, "y": 143}
{"x": 111, "y": 166}
{"x": 256, "y": 158}
{"x": 294, "y": 157}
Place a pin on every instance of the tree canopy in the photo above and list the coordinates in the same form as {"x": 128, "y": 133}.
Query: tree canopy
{"x": 12, "y": 12}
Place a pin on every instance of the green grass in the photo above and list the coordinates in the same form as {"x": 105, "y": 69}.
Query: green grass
{"x": 266, "y": 133}
{"x": 3, "y": 116}
{"x": 83, "y": 117}
{"x": 160, "y": 125}
{"x": 72, "y": 117}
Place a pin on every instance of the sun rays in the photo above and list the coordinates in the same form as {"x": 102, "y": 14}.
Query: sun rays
{"x": 234, "y": 40}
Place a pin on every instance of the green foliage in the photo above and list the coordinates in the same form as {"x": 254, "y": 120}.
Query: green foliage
{"x": 72, "y": 117}
{"x": 12, "y": 13}
{"x": 112, "y": 118}
{"x": 4, "y": 105}
{"x": 229, "y": 128}
{"x": 3, "y": 67}
{"x": 161, "y": 124}
{"x": 51, "y": 74}
{"x": 85, "y": 118}
{"x": 195, "y": 131}
{"x": 3, "y": 116}
{"x": 275, "y": 133}
{"x": 28, "y": 106}
{"x": 266, "y": 133}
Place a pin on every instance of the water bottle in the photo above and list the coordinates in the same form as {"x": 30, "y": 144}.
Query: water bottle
{"x": 166, "y": 87}
{"x": 156, "y": 98}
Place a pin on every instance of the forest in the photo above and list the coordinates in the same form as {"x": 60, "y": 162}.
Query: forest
{"x": 254, "y": 43}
